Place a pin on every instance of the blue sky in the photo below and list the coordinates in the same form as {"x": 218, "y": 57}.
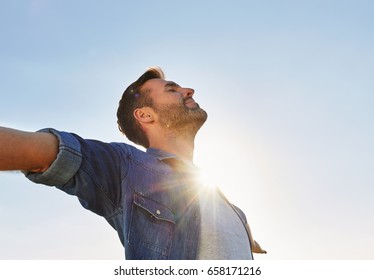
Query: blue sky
{"x": 287, "y": 85}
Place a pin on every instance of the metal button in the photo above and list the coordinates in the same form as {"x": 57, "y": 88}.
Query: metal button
{"x": 158, "y": 212}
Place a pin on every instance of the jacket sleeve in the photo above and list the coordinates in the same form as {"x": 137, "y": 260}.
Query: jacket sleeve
{"x": 89, "y": 169}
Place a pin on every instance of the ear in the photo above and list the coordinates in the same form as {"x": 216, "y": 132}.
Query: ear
{"x": 144, "y": 115}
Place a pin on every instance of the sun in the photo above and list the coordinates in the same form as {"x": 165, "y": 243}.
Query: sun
{"x": 208, "y": 179}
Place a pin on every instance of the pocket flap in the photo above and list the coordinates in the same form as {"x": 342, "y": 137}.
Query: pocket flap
{"x": 156, "y": 209}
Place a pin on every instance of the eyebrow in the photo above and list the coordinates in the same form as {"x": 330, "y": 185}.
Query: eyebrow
{"x": 171, "y": 84}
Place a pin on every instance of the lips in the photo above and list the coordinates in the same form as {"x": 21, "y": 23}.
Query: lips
{"x": 189, "y": 100}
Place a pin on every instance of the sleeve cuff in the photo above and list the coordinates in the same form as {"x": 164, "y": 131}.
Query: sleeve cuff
{"x": 65, "y": 166}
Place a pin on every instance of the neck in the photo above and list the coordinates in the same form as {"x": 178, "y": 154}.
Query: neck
{"x": 181, "y": 145}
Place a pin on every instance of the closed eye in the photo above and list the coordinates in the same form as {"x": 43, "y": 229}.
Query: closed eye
{"x": 171, "y": 87}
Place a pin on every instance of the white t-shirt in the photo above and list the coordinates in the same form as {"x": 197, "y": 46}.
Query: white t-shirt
{"x": 222, "y": 233}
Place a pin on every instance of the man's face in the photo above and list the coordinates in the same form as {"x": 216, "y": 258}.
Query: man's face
{"x": 175, "y": 105}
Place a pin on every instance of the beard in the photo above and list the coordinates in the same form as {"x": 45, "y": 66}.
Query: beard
{"x": 181, "y": 119}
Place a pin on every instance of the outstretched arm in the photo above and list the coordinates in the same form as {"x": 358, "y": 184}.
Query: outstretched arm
{"x": 29, "y": 151}
{"x": 256, "y": 248}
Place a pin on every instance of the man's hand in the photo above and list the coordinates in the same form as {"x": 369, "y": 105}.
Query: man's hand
{"x": 256, "y": 248}
{"x": 28, "y": 151}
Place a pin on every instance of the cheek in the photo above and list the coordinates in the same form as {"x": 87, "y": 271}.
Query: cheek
{"x": 170, "y": 100}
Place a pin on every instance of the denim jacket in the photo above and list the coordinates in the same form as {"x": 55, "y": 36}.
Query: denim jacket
{"x": 151, "y": 205}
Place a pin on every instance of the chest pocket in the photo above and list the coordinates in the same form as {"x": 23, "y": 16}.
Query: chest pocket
{"x": 151, "y": 230}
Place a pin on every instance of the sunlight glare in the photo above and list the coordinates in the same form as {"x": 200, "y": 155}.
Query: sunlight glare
{"x": 208, "y": 179}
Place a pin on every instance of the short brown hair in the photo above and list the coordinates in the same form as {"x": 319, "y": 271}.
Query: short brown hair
{"x": 133, "y": 98}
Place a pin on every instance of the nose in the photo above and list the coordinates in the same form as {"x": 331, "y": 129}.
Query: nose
{"x": 188, "y": 92}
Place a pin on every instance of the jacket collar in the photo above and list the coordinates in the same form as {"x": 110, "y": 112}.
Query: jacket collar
{"x": 173, "y": 160}
{"x": 160, "y": 154}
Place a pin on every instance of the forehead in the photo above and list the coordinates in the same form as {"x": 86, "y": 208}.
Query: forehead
{"x": 154, "y": 85}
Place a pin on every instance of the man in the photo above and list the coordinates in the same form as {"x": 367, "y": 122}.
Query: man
{"x": 152, "y": 199}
